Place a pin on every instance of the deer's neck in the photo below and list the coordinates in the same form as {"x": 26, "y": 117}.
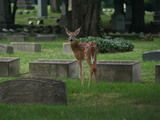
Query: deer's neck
{"x": 75, "y": 45}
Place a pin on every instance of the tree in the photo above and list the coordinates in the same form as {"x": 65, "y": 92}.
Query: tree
{"x": 13, "y": 11}
{"x": 138, "y": 16}
{"x": 7, "y": 13}
{"x": 85, "y": 14}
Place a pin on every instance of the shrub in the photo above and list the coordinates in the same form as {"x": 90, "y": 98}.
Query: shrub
{"x": 108, "y": 44}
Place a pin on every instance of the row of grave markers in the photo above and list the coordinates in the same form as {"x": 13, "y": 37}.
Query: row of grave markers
{"x": 111, "y": 71}
{"x": 42, "y": 6}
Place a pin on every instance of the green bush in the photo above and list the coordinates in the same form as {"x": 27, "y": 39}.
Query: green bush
{"x": 107, "y": 44}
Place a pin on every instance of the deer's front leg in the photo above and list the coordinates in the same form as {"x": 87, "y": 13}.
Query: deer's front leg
{"x": 81, "y": 71}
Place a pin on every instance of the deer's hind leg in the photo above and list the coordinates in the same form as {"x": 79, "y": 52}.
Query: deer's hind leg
{"x": 88, "y": 60}
{"x": 81, "y": 72}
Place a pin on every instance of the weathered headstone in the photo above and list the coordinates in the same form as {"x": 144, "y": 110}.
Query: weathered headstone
{"x": 118, "y": 22}
{"x": 47, "y": 37}
{"x": 152, "y": 55}
{"x": 17, "y": 38}
{"x": 67, "y": 48}
{"x": 26, "y": 46}
{"x": 9, "y": 66}
{"x": 54, "y": 69}
{"x": 25, "y": 4}
{"x": 6, "y": 49}
{"x": 118, "y": 71}
{"x": 118, "y": 18}
{"x": 39, "y": 91}
{"x": 157, "y": 12}
{"x": 128, "y": 17}
{"x": 42, "y": 8}
{"x": 157, "y": 73}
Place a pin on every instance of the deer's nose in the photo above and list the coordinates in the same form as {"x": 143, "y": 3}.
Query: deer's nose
{"x": 70, "y": 40}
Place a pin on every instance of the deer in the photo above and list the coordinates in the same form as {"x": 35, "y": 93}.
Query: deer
{"x": 83, "y": 51}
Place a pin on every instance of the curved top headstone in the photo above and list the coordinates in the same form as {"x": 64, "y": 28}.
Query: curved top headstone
{"x": 153, "y": 55}
{"x": 28, "y": 90}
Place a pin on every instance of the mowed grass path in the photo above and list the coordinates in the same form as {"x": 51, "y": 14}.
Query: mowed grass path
{"x": 112, "y": 101}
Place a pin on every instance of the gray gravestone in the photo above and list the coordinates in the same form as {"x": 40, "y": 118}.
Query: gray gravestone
{"x": 54, "y": 69}
{"x": 118, "y": 18}
{"x": 128, "y": 17}
{"x": 157, "y": 72}
{"x": 67, "y": 48}
{"x": 42, "y": 8}
{"x": 6, "y": 49}
{"x": 9, "y": 66}
{"x": 47, "y": 37}
{"x": 152, "y": 55}
{"x": 26, "y": 46}
{"x": 17, "y": 38}
{"x": 157, "y": 12}
{"x": 29, "y": 90}
{"x": 25, "y": 4}
{"x": 118, "y": 22}
{"x": 119, "y": 71}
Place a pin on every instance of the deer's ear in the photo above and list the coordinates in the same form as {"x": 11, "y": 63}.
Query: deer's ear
{"x": 67, "y": 31}
{"x": 77, "y": 31}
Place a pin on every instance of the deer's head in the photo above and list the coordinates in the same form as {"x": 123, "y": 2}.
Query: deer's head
{"x": 72, "y": 35}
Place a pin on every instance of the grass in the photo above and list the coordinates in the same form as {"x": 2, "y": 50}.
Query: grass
{"x": 112, "y": 101}
{"x": 33, "y": 14}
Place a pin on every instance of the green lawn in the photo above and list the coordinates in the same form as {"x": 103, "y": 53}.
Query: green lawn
{"x": 110, "y": 101}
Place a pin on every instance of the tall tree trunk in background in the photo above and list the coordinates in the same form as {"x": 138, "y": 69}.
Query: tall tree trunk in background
{"x": 85, "y": 14}
{"x": 14, "y": 11}
{"x": 55, "y": 5}
{"x": 138, "y": 16}
{"x": 5, "y": 13}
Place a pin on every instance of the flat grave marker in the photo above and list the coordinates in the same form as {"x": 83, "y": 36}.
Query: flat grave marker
{"x": 31, "y": 90}
{"x": 152, "y": 55}
{"x": 54, "y": 69}
{"x": 118, "y": 71}
{"x": 26, "y": 46}
{"x": 9, "y": 66}
{"x": 6, "y": 49}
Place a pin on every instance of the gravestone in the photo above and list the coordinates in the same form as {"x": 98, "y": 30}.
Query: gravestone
{"x": 9, "y": 66}
{"x": 118, "y": 22}
{"x": 118, "y": 71}
{"x": 42, "y": 8}
{"x": 26, "y": 46}
{"x": 67, "y": 48}
{"x": 27, "y": 90}
{"x": 54, "y": 69}
{"x": 157, "y": 72}
{"x": 157, "y": 12}
{"x": 25, "y": 4}
{"x": 45, "y": 37}
{"x": 128, "y": 17}
{"x": 6, "y": 49}
{"x": 118, "y": 18}
{"x": 17, "y": 38}
{"x": 152, "y": 55}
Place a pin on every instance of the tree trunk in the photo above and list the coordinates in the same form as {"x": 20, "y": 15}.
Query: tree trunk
{"x": 5, "y": 13}
{"x": 85, "y": 14}
{"x": 138, "y": 16}
{"x": 14, "y": 11}
{"x": 55, "y": 5}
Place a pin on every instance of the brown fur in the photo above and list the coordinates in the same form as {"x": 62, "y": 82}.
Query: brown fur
{"x": 83, "y": 51}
